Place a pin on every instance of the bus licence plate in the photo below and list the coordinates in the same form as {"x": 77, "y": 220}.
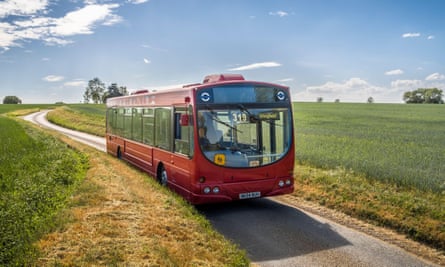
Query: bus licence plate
{"x": 249, "y": 195}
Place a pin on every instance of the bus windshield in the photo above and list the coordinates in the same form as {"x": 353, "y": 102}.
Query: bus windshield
{"x": 240, "y": 136}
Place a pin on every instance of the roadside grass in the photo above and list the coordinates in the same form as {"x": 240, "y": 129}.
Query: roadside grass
{"x": 87, "y": 118}
{"x": 123, "y": 217}
{"x": 37, "y": 175}
{"x": 418, "y": 214}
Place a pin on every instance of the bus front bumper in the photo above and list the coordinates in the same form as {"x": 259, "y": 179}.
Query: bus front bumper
{"x": 225, "y": 192}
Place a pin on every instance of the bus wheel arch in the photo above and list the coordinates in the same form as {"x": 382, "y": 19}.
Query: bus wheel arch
{"x": 162, "y": 175}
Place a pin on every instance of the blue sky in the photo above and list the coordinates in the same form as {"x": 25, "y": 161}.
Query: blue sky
{"x": 335, "y": 49}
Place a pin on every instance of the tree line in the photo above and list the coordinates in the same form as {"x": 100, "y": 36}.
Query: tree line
{"x": 97, "y": 93}
{"x": 424, "y": 96}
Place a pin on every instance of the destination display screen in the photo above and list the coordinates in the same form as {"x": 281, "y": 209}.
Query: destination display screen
{"x": 242, "y": 94}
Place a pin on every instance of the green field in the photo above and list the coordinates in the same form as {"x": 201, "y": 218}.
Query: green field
{"x": 400, "y": 144}
{"x": 12, "y": 107}
{"x": 37, "y": 174}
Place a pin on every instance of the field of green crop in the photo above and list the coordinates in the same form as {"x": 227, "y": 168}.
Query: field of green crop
{"x": 37, "y": 174}
{"x": 400, "y": 144}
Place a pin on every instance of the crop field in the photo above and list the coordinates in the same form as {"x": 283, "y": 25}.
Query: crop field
{"x": 12, "y": 107}
{"x": 37, "y": 174}
{"x": 400, "y": 144}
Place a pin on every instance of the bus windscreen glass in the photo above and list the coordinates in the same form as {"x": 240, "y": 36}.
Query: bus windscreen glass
{"x": 243, "y": 137}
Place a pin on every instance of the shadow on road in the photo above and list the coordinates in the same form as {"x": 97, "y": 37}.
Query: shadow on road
{"x": 268, "y": 230}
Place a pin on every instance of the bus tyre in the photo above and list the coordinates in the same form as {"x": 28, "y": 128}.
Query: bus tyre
{"x": 162, "y": 176}
{"x": 119, "y": 153}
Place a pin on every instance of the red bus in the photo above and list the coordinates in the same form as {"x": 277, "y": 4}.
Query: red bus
{"x": 221, "y": 140}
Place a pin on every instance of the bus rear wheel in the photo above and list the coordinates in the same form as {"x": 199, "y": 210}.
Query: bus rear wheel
{"x": 162, "y": 176}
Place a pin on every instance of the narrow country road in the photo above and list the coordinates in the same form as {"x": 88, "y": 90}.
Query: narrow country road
{"x": 91, "y": 140}
{"x": 278, "y": 234}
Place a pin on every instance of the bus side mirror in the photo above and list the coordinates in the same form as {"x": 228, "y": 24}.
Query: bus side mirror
{"x": 184, "y": 120}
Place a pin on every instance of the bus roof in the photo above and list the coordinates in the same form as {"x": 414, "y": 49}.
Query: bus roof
{"x": 209, "y": 80}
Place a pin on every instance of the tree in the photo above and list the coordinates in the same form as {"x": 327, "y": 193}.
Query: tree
{"x": 114, "y": 91}
{"x": 11, "y": 100}
{"x": 424, "y": 95}
{"x": 319, "y": 99}
{"x": 370, "y": 100}
{"x": 94, "y": 91}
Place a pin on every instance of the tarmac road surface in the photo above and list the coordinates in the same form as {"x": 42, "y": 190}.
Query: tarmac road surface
{"x": 276, "y": 234}
{"x": 91, "y": 140}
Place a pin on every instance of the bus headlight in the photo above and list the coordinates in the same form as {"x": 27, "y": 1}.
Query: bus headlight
{"x": 206, "y": 190}
{"x": 288, "y": 182}
{"x": 281, "y": 183}
{"x": 215, "y": 190}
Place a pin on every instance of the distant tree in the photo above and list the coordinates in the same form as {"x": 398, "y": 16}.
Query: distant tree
{"x": 370, "y": 100}
{"x": 337, "y": 100}
{"x": 319, "y": 99}
{"x": 10, "y": 99}
{"x": 113, "y": 91}
{"x": 424, "y": 96}
{"x": 94, "y": 91}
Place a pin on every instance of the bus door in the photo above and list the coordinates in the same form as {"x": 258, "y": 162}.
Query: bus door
{"x": 183, "y": 146}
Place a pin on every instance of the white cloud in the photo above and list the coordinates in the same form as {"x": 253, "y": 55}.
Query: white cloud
{"x": 257, "y": 66}
{"x": 431, "y": 37}
{"x": 279, "y": 13}
{"x": 76, "y": 83}
{"x": 285, "y": 80}
{"x": 349, "y": 90}
{"x": 435, "y": 77}
{"x": 21, "y": 7}
{"x": 137, "y": 2}
{"x": 53, "y": 78}
{"x": 52, "y": 31}
{"x": 394, "y": 72}
{"x": 146, "y": 61}
{"x": 82, "y": 21}
{"x": 411, "y": 35}
{"x": 333, "y": 87}
{"x": 402, "y": 84}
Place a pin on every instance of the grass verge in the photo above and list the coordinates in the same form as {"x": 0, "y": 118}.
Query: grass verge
{"x": 418, "y": 214}
{"x": 120, "y": 216}
{"x": 85, "y": 118}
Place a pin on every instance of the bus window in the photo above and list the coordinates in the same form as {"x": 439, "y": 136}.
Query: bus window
{"x": 148, "y": 124}
{"x": 111, "y": 120}
{"x": 163, "y": 128}
{"x": 128, "y": 123}
{"x": 137, "y": 124}
{"x": 119, "y": 130}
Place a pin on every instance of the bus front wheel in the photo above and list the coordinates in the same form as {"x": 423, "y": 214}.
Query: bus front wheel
{"x": 162, "y": 175}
